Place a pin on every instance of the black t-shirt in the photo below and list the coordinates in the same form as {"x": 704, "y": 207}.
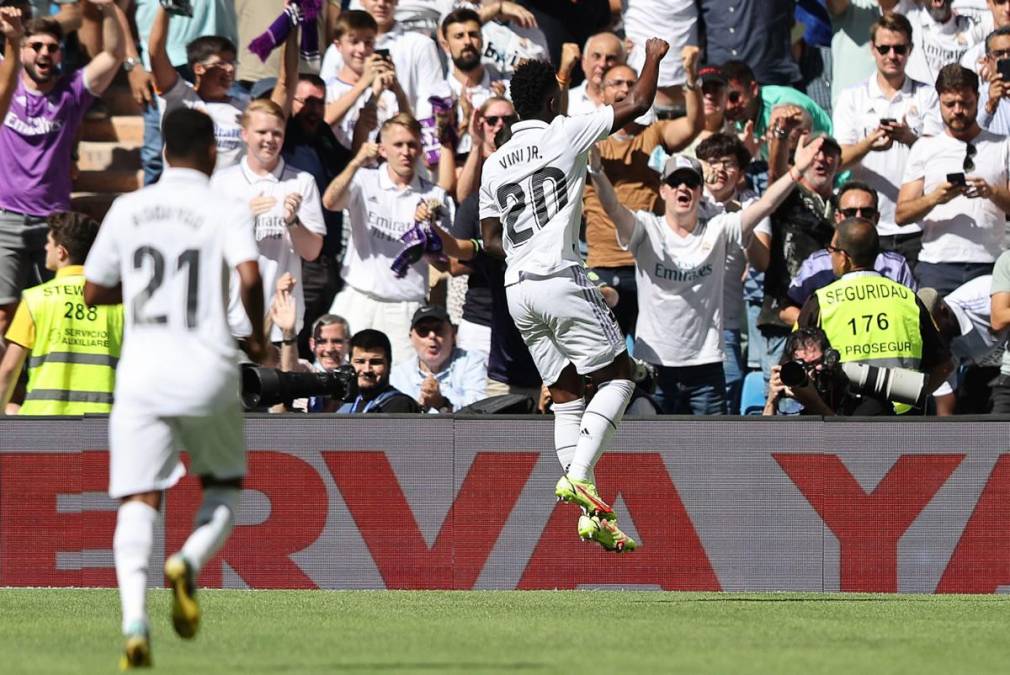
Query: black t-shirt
{"x": 466, "y": 225}
{"x": 509, "y": 360}
{"x": 322, "y": 156}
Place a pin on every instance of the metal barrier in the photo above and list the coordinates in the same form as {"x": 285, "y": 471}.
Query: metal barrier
{"x": 436, "y": 502}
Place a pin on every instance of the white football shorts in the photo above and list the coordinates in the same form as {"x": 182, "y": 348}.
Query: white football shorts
{"x": 144, "y": 448}
{"x": 563, "y": 318}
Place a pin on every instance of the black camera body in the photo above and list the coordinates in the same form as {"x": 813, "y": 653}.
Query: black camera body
{"x": 178, "y": 7}
{"x": 794, "y": 373}
{"x": 264, "y": 387}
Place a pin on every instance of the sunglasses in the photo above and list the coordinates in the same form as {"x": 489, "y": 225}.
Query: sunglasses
{"x": 425, "y": 331}
{"x": 48, "y": 47}
{"x": 495, "y": 119}
{"x": 969, "y": 152}
{"x": 867, "y": 212}
{"x": 835, "y": 249}
{"x": 734, "y": 96}
{"x": 684, "y": 178}
{"x": 900, "y": 50}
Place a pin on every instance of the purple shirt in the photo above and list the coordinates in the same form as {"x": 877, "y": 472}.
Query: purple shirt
{"x": 35, "y": 144}
{"x": 816, "y": 273}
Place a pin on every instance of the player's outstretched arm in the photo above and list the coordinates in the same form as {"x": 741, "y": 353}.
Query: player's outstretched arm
{"x": 10, "y": 368}
{"x": 251, "y": 294}
{"x": 490, "y": 232}
{"x": 623, "y": 218}
{"x": 644, "y": 92}
{"x": 96, "y": 294}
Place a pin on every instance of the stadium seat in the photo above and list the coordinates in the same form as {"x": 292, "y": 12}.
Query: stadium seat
{"x": 752, "y": 399}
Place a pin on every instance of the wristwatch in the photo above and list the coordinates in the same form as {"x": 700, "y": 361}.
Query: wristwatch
{"x": 130, "y": 63}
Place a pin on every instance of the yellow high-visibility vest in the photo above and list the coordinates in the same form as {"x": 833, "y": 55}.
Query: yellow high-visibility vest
{"x": 72, "y": 367}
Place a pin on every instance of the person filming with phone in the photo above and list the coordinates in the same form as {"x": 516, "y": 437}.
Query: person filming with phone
{"x": 955, "y": 187}
{"x": 993, "y": 106}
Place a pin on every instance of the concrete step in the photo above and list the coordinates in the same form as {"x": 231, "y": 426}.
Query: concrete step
{"x": 112, "y": 180}
{"x": 99, "y": 156}
{"x": 123, "y": 129}
{"x": 95, "y": 204}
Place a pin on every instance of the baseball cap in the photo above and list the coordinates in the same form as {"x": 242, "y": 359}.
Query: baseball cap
{"x": 680, "y": 163}
{"x": 711, "y": 74}
{"x": 429, "y": 312}
{"x": 829, "y": 143}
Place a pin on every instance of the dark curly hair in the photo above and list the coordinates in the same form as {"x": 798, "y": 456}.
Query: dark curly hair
{"x": 532, "y": 83}
{"x": 722, "y": 145}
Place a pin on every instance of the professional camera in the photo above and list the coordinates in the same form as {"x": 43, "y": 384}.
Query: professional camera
{"x": 178, "y": 7}
{"x": 899, "y": 385}
{"x": 263, "y": 387}
{"x": 797, "y": 373}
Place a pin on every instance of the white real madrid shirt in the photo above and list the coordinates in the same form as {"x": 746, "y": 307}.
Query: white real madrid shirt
{"x": 680, "y": 288}
{"x": 380, "y": 212}
{"x": 936, "y": 44}
{"x": 533, "y": 184}
{"x": 273, "y": 240}
{"x": 385, "y": 107}
{"x": 858, "y": 113}
{"x": 170, "y": 244}
{"x": 226, "y": 115}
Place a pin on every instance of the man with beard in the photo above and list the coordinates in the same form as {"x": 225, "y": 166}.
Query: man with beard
{"x": 370, "y": 357}
{"x": 956, "y": 187}
{"x": 36, "y": 140}
{"x": 284, "y": 202}
{"x": 940, "y": 37}
{"x": 310, "y": 145}
{"x": 997, "y": 16}
{"x": 470, "y": 81}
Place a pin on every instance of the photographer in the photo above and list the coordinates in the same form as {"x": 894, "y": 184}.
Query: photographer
{"x": 870, "y": 319}
{"x": 822, "y": 388}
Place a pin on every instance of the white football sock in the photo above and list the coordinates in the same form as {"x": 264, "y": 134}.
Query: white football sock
{"x": 567, "y": 419}
{"x": 215, "y": 521}
{"x": 599, "y": 423}
{"x": 131, "y": 545}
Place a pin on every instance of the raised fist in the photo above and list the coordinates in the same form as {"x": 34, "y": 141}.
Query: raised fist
{"x": 656, "y": 48}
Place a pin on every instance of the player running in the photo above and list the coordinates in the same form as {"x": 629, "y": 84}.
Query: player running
{"x": 169, "y": 245}
{"x": 532, "y": 188}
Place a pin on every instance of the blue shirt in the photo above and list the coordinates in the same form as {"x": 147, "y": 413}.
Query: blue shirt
{"x": 756, "y": 32}
{"x": 999, "y": 121}
{"x": 816, "y": 273}
{"x": 462, "y": 380}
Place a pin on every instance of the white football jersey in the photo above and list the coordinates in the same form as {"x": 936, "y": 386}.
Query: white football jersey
{"x": 172, "y": 246}
{"x": 534, "y": 184}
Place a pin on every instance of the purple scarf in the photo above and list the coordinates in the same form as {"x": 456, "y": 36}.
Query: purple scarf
{"x": 420, "y": 240}
{"x": 299, "y": 12}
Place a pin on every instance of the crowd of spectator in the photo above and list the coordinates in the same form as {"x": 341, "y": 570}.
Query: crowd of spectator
{"x": 792, "y": 143}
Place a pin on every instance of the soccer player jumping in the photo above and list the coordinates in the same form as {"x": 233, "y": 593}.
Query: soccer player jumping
{"x": 531, "y": 188}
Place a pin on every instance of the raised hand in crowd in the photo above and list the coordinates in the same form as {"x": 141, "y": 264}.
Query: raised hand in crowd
{"x": 292, "y": 202}
{"x": 998, "y": 90}
{"x": 899, "y": 131}
{"x": 12, "y": 29}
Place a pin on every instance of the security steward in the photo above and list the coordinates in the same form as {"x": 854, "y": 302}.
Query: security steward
{"x": 71, "y": 348}
{"x": 871, "y": 319}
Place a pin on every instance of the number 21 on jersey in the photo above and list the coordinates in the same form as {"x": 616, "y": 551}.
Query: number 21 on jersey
{"x": 513, "y": 200}
{"x": 188, "y": 260}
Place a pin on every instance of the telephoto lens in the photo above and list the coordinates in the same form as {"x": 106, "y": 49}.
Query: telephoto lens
{"x": 264, "y": 387}
{"x": 793, "y": 374}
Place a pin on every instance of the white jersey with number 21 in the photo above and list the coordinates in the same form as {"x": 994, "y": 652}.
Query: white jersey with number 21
{"x": 533, "y": 184}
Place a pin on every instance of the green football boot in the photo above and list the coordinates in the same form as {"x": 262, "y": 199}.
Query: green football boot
{"x": 584, "y": 494}
{"x": 606, "y": 534}
{"x": 185, "y": 610}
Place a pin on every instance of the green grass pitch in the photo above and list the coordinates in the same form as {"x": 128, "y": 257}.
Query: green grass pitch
{"x": 77, "y": 631}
